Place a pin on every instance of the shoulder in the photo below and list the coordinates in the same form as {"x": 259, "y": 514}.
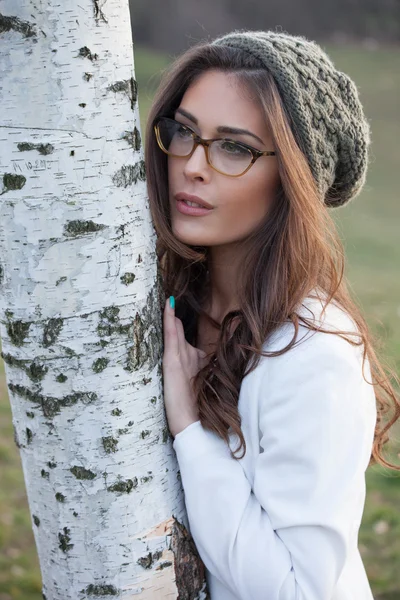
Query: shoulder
{"x": 315, "y": 354}
{"x": 314, "y": 395}
{"x": 330, "y": 317}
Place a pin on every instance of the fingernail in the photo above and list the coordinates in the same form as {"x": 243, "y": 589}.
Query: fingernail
{"x": 172, "y": 301}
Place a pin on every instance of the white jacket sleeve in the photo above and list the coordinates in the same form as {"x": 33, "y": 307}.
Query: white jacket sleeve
{"x": 287, "y": 538}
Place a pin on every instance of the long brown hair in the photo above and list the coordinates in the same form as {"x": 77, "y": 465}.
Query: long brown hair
{"x": 294, "y": 251}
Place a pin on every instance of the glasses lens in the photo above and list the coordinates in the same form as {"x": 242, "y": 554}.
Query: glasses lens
{"x": 175, "y": 138}
{"x": 226, "y": 156}
{"x": 229, "y": 157}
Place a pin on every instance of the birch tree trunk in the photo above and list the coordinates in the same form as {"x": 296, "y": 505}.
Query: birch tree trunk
{"x": 80, "y": 309}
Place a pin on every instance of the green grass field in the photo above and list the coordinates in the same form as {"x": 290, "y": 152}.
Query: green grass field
{"x": 370, "y": 228}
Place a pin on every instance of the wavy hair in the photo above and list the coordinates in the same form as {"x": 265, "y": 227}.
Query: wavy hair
{"x": 295, "y": 250}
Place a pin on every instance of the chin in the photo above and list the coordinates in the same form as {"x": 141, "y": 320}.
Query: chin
{"x": 190, "y": 239}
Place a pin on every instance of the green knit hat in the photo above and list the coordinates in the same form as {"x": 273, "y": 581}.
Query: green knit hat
{"x": 323, "y": 103}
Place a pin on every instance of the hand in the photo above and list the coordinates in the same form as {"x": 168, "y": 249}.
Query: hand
{"x": 181, "y": 363}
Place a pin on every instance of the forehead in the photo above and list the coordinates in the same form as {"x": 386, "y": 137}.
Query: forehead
{"x": 215, "y": 98}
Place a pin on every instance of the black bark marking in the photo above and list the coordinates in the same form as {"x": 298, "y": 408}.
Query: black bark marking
{"x": 100, "y": 364}
{"x": 61, "y": 280}
{"x": 61, "y": 378}
{"x": 87, "y": 77}
{"x": 77, "y": 228}
{"x": 41, "y": 148}
{"x": 1, "y": 274}
{"x": 133, "y": 92}
{"x": 166, "y": 563}
{"x": 119, "y": 86}
{"x": 17, "y": 330}
{"x": 29, "y": 435}
{"x": 84, "y": 52}
{"x": 82, "y": 473}
{"x": 51, "y": 464}
{"x": 51, "y": 331}
{"x": 166, "y": 435}
{"x": 120, "y": 230}
{"x": 109, "y": 444}
{"x": 36, "y": 520}
{"x": 147, "y": 561}
{"x": 13, "y": 182}
{"x": 123, "y": 486}
{"x": 45, "y": 474}
{"x": 35, "y": 370}
{"x": 16, "y": 439}
{"x": 129, "y": 174}
{"x": 127, "y": 278}
{"x": 116, "y": 412}
{"x": 52, "y": 406}
{"x": 110, "y": 323}
{"x": 69, "y": 351}
{"x": 101, "y": 590}
{"x": 133, "y": 138}
{"x": 13, "y": 23}
{"x": 128, "y": 87}
{"x": 146, "y": 478}
{"x": 60, "y": 497}
{"x": 98, "y": 13}
{"x": 65, "y": 538}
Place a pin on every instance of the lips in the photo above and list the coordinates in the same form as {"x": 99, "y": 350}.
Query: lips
{"x": 191, "y": 198}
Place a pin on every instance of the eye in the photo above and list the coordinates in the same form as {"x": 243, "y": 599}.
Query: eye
{"x": 233, "y": 148}
{"x": 183, "y": 131}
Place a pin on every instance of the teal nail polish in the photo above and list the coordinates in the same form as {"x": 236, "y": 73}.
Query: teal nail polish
{"x": 172, "y": 301}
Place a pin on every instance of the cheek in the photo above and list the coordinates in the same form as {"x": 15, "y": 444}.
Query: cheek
{"x": 175, "y": 170}
{"x": 250, "y": 201}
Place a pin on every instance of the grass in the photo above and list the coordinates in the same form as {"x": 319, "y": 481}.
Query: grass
{"x": 369, "y": 227}
{"x": 19, "y": 566}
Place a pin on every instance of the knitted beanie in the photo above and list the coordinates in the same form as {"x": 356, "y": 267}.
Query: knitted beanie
{"x": 324, "y": 106}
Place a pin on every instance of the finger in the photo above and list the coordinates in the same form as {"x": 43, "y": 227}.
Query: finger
{"x": 171, "y": 341}
{"x": 180, "y": 332}
{"x": 183, "y": 343}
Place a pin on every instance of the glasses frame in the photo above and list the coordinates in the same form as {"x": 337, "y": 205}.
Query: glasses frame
{"x": 206, "y": 144}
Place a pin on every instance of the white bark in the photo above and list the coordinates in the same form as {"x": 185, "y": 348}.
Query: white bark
{"x": 80, "y": 317}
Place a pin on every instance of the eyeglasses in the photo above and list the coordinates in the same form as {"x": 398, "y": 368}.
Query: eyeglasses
{"x": 224, "y": 155}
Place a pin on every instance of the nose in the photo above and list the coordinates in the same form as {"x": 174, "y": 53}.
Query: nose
{"x": 196, "y": 165}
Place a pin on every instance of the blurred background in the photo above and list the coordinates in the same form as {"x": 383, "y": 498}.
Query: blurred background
{"x": 363, "y": 39}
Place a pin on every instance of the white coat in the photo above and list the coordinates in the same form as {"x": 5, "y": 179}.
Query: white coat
{"x": 282, "y": 523}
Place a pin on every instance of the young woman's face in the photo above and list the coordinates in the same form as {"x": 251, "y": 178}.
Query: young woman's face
{"x": 240, "y": 203}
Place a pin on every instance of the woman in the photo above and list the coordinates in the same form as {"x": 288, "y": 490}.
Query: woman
{"x": 265, "y": 349}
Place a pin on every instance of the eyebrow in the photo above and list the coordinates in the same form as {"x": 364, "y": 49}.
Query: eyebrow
{"x": 220, "y": 128}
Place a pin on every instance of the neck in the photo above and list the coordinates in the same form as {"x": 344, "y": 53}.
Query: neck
{"x": 223, "y": 268}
